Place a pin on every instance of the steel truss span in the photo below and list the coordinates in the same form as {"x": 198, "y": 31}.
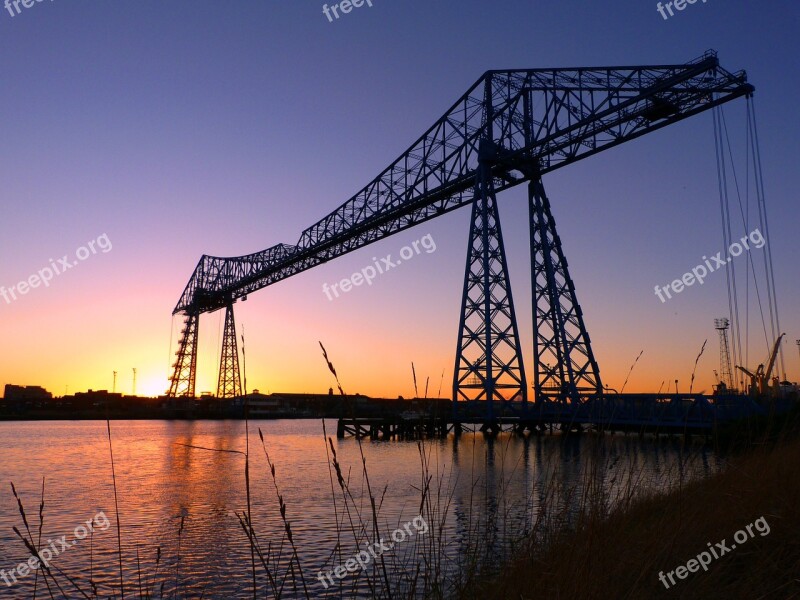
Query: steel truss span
{"x": 510, "y": 127}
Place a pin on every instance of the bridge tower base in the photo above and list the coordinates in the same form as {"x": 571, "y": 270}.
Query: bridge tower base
{"x": 489, "y": 364}
{"x": 185, "y": 367}
{"x": 229, "y": 384}
{"x": 564, "y": 367}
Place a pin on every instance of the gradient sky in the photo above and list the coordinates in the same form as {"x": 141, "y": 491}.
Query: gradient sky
{"x": 188, "y": 127}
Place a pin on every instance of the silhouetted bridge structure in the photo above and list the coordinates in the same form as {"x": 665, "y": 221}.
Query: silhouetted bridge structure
{"x": 683, "y": 414}
{"x": 510, "y": 128}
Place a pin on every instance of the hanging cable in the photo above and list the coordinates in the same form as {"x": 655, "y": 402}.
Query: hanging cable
{"x": 762, "y": 212}
{"x": 752, "y": 270}
{"x": 723, "y": 146}
{"x": 728, "y": 235}
{"x": 725, "y": 214}
{"x": 745, "y": 221}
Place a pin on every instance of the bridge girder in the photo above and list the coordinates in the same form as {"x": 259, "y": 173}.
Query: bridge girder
{"x": 547, "y": 118}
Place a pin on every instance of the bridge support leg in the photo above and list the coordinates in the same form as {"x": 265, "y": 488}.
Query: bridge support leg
{"x": 489, "y": 363}
{"x": 185, "y": 367}
{"x": 564, "y": 366}
{"x": 229, "y": 383}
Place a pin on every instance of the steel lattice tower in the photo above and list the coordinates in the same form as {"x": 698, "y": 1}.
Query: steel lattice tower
{"x": 229, "y": 384}
{"x": 489, "y": 363}
{"x": 564, "y": 365}
{"x": 185, "y": 368}
{"x": 725, "y": 371}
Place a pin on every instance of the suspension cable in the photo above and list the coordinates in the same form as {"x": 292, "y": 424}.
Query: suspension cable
{"x": 745, "y": 220}
{"x": 722, "y": 182}
{"x": 722, "y": 146}
{"x": 749, "y": 258}
{"x": 762, "y": 211}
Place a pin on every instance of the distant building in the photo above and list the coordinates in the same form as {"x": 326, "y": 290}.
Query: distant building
{"x": 261, "y": 405}
{"x": 96, "y": 399}
{"x": 22, "y": 392}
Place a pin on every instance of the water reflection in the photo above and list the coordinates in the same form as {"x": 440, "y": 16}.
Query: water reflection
{"x": 492, "y": 490}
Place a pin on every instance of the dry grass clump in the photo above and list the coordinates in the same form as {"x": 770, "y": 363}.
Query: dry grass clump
{"x": 621, "y": 554}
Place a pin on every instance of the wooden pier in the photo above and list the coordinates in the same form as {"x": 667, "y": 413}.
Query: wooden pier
{"x": 685, "y": 414}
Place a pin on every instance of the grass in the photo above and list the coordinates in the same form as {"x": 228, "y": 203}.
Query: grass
{"x": 620, "y": 554}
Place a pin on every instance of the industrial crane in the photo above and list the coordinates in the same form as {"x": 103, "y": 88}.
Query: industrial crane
{"x": 760, "y": 380}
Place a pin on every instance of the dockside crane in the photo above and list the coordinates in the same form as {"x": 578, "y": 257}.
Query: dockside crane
{"x": 760, "y": 380}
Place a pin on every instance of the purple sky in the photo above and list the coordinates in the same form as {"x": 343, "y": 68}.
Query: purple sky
{"x": 182, "y": 128}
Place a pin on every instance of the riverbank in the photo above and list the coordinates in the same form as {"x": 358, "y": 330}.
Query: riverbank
{"x": 641, "y": 549}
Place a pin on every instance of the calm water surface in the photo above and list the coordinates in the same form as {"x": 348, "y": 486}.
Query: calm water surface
{"x": 161, "y": 481}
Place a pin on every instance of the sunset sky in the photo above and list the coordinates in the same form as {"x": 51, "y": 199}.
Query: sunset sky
{"x": 185, "y": 128}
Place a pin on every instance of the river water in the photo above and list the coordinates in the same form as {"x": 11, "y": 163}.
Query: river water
{"x": 181, "y": 484}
